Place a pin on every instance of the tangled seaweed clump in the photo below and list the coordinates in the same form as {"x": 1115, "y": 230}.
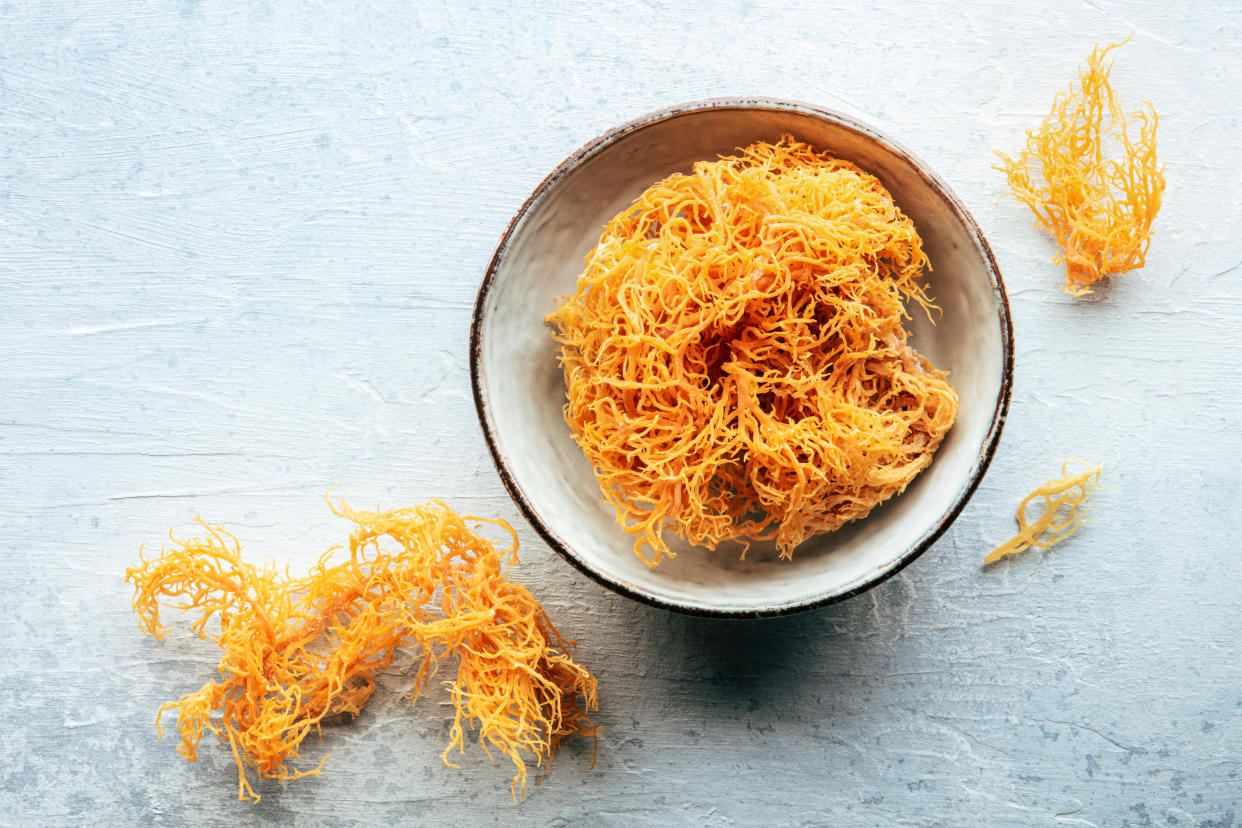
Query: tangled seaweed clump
{"x": 300, "y": 652}
{"x": 1099, "y": 209}
{"x": 735, "y": 355}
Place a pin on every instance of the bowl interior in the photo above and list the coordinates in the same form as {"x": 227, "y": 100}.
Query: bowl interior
{"x": 520, "y": 390}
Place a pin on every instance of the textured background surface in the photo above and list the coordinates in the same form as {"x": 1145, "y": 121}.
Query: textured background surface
{"x": 239, "y": 244}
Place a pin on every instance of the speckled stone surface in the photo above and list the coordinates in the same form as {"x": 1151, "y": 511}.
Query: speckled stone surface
{"x": 239, "y": 244}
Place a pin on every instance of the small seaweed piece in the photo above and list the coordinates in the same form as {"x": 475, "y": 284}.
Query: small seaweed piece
{"x": 1098, "y": 209}
{"x": 1063, "y": 512}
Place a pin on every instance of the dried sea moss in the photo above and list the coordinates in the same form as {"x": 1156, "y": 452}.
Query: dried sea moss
{"x": 301, "y": 652}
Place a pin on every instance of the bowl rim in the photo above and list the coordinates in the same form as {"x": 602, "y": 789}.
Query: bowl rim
{"x": 603, "y": 141}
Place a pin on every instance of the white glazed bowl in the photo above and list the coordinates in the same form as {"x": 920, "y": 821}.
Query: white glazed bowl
{"x": 519, "y": 389}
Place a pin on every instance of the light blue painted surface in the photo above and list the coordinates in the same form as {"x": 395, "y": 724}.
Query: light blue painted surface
{"x": 239, "y": 243}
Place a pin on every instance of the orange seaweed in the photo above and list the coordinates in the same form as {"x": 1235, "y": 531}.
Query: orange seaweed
{"x": 302, "y": 652}
{"x": 1099, "y": 209}
{"x": 1063, "y": 512}
{"x": 735, "y": 356}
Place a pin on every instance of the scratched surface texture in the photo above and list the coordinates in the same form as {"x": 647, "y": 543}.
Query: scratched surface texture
{"x": 239, "y": 244}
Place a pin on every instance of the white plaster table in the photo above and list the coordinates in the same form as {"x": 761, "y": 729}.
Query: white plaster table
{"x": 239, "y": 245}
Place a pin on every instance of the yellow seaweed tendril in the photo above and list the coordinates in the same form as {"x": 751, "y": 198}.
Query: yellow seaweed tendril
{"x": 1099, "y": 210}
{"x": 1063, "y": 513}
{"x": 735, "y": 355}
{"x": 299, "y": 653}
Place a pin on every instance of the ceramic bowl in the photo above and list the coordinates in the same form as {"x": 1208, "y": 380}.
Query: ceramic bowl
{"x": 519, "y": 389}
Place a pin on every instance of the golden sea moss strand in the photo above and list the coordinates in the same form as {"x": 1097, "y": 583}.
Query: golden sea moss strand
{"x": 1064, "y": 511}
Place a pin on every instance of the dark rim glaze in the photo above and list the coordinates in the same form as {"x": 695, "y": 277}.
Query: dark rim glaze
{"x": 772, "y": 104}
